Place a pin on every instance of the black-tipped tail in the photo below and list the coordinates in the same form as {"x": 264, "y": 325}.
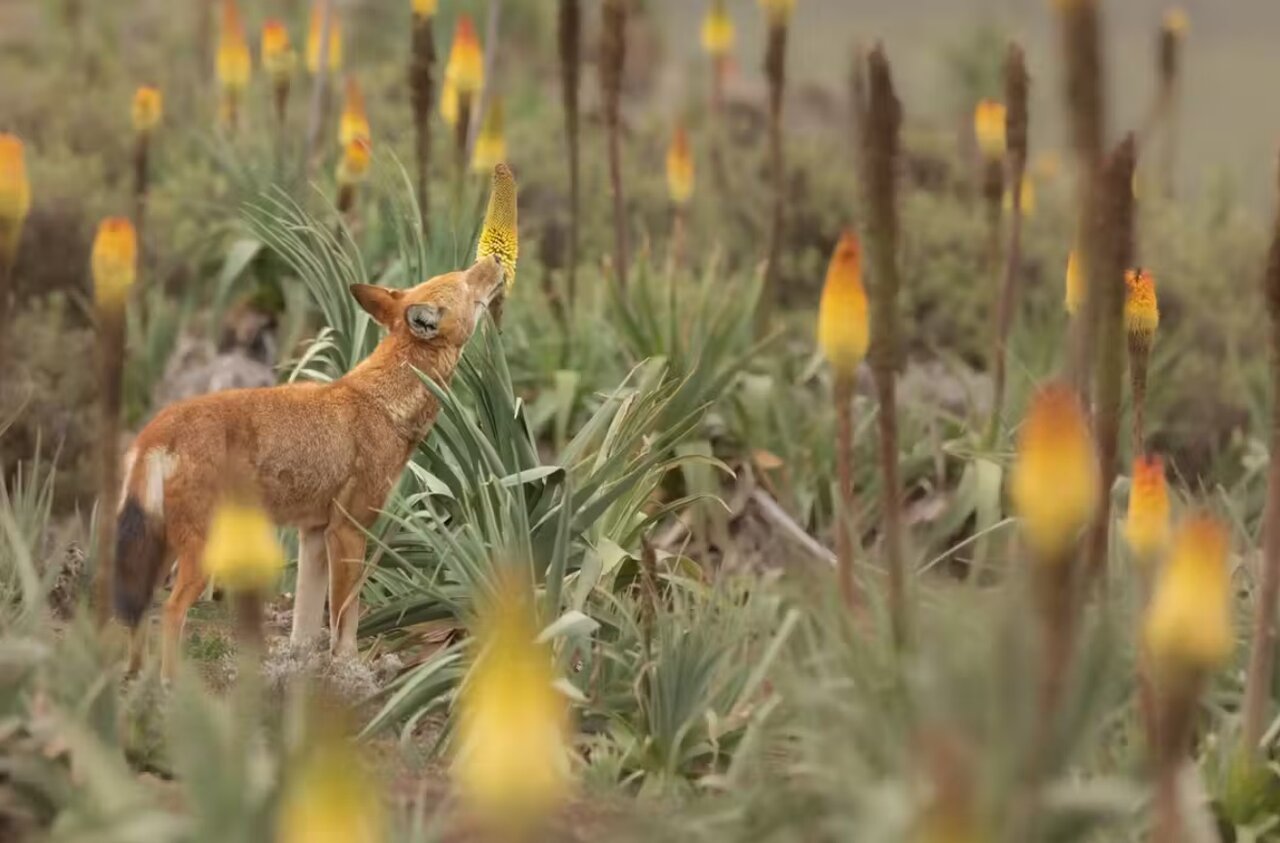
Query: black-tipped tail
{"x": 139, "y": 557}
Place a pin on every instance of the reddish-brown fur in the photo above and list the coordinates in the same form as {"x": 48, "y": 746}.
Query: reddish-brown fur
{"x": 321, "y": 457}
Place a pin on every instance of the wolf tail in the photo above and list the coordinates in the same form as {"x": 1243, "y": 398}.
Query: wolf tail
{"x": 140, "y": 548}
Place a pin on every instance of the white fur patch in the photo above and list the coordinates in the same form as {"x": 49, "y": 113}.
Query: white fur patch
{"x": 160, "y": 467}
{"x": 126, "y": 471}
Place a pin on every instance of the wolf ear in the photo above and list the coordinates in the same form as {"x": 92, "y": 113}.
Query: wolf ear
{"x": 379, "y": 302}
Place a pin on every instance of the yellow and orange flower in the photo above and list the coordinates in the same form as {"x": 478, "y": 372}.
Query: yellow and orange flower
{"x": 424, "y": 9}
{"x": 491, "y": 144}
{"x": 234, "y": 64}
{"x": 354, "y": 122}
{"x": 1075, "y": 284}
{"x": 466, "y": 64}
{"x": 278, "y": 56}
{"x": 148, "y": 106}
{"x": 500, "y": 234}
{"x": 1054, "y": 488}
{"x": 989, "y": 127}
{"x": 1146, "y": 525}
{"x": 680, "y": 167}
{"x": 843, "y": 332}
{"x": 114, "y": 261}
{"x": 718, "y": 33}
{"x": 778, "y": 12}
{"x": 313, "y": 38}
{"x": 512, "y": 763}
{"x": 1176, "y": 21}
{"x": 15, "y": 189}
{"x": 357, "y": 155}
{"x": 242, "y": 554}
{"x": 330, "y": 795}
{"x": 1188, "y": 629}
{"x": 1141, "y": 309}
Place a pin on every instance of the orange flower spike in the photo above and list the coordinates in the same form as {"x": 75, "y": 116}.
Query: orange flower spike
{"x": 354, "y": 122}
{"x": 1075, "y": 284}
{"x": 114, "y": 261}
{"x": 313, "y": 38}
{"x": 1146, "y": 525}
{"x": 843, "y": 332}
{"x": 680, "y": 167}
{"x": 1054, "y": 487}
{"x": 277, "y": 54}
{"x": 424, "y": 9}
{"x": 356, "y": 157}
{"x": 234, "y": 65}
{"x": 466, "y": 64}
{"x": 989, "y": 127}
{"x": 15, "y": 197}
{"x": 1188, "y": 628}
{"x": 148, "y": 106}
{"x": 1141, "y": 309}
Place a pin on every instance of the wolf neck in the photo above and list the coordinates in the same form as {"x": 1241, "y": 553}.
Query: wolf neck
{"x": 386, "y": 379}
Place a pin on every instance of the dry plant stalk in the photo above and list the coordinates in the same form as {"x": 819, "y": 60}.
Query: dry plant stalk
{"x": 1141, "y": 318}
{"x": 718, "y": 36}
{"x": 880, "y": 147}
{"x": 1165, "y": 112}
{"x": 775, "y": 67}
{"x": 570, "y": 44}
{"x": 146, "y": 116}
{"x": 1263, "y": 642}
{"x": 1113, "y": 233}
{"x": 422, "y": 58}
{"x": 613, "y": 52}
{"x": 1017, "y": 121}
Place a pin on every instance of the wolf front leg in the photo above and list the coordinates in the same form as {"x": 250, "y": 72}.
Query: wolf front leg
{"x": 346, "y": 545}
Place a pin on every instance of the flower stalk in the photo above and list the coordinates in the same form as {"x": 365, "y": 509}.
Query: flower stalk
{"x": 324, "y": 59}
{"x": 278, "y": 60}
{"x": 234, "y": 65}
{"x": 680, "y": 171}
{"x": 569, "y": 40}
{"x": 1141, "y": 318}
{"x": 778, "y": 14}
{"x": 146, "y": 112}
{"x": 613, "y": 54}
{"x": 718, "y": 37}
{"x": 422, "y": 60}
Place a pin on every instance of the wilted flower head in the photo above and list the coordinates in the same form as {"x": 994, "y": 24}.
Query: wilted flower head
{"x": 15, "y": 189}
{"x": 717, "y": 30}
{"x": 466, "y": 64}
{"x": 424, "y": 8}
{"x": 989, "y": 127}
{"x": 356, "y": 157}
{"x": 241, "y": 553}
{"x": 354, "y": 122}
{"x": 313, "y": 38}
{"x": 277, "y": 53}
{"x": 680, "y": 167}
{"x": 1146, "y": 526}
{"x": 114, "y": 261}
{"x": 1188, "y": 625}
{"x": 491, "y": 144}
{"x": 512, "y": 761}
{"x": 1055, "y": 479}
{"x": 842, "y": 312}
{"x": 1075, "y": 284}
{"x": 148, "y": 105}
{"x": 778, "y": 11}
{"x": 234, "y": 64}
{"x": 1141, "y": 310}
{"x": 330, "y": 796}
{"x": 500, "y": 235}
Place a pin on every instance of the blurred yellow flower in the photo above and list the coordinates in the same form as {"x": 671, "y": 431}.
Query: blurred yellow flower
{"x": 1176, "y": 21}
{"x": 449, "y": 101}
{"x": 278, "y": 56}
{"x": 680, "y": 167}
{"x": 424, "y": 8}
{"x": 989, "y": 127}
{"x": 1054, "y": 487}
{"x": 512, "y": 762}
{"x": 842, "y": 311}
{"x": 330, "y": 797}
{"x": 148, "y": 105}
{"x": 1028, "y": 197}
{"x": 466, "y": 64}
{"x": 354, "y": 122}
{"x": 114, "y": 261}
{"x": 313, "y": 38}
{"x": 717, "y": 30}
{"x": 234, "y": 65}
{"x": 241, "y": 553}
{"x": 1146, "y": 525}
{"x": 1141, "y": 310}
{"x": 501, "y": 234}
{"x": 357, "y": 154}
{"x": 778, "y": 11}
{"x": 1048, "y": 165}
{"x": 1188, "y": 627}
{"x": 15, "y": 195}
{"x": 1075, "y": 284}
{"x": 491, "y": 144}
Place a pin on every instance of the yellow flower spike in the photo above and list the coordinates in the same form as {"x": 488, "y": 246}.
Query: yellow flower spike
{"x": 1075, "y": 284}
{"x": 357, "y": 155}
{"x": 680, "y": 167}
{"x": 1028, "y": 197}
{"x": 15, "y": 196}
{"x": 241, "y": 553}
{"x": 148, "y": 106}
{"x": 234, "y": 64}
{"x": 449, "y": 101}
{"x": 354, "y": 122}
{"x": 313, "y": 38}
{"x": 1054, "y": 487}
{"x": 466, "y": 64}
{"x": 842, "y": 311}
{"x": 512, "y": 765}
{"x": 1141, "y": 310}
{"x": 278, "y": 57}
{"x": 989, "y": 127}
{"x": 491, "y": 144}
{"x": 1146, "y": 525}
{"x": 1176, "y": 21}
{"x": 114, "y": 261}
{"x": 718, "y": 33}
{"x": 778, "y": 11}
{"x": 1188, "y": 627}
{"x": 330, "y": 797}
{"x": 501, "y": 235}
{"x": 424, "y": 8}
